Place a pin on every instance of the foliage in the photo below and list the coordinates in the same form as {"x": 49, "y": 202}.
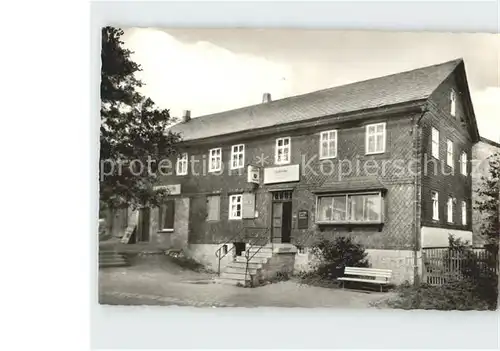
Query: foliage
{"x": 472, "y": 287}
{"x": 133, "y": 131}
{"x": 489, "y": 203}
{"x": 182, "y": 260}
{"x": 454, "y": 295}
{"x": 478, "y": 271}
{"x": 334, "y": 255}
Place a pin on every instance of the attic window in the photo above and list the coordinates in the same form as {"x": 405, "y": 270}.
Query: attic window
{"x": 453, "y": 102}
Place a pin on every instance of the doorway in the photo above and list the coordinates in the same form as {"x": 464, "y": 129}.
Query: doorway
{"x": 142, "y": 232}
{"x": 282, "y": 217}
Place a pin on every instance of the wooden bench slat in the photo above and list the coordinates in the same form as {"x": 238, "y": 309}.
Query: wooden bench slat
{"x": 364, "y": 280}
{"x": 368, "y": 274}
{"x": 363, "y": 271}
{"x": 368, "y": 270}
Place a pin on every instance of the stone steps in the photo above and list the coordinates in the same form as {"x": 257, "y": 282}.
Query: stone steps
{"x": 112, "y": 259}
{"x": 252, "y": 260}
{"x": 257, "y": 254}
{"x": 236, "y": 272}
{"x": 240, "y": 270}
{"x": 236, "y": 264}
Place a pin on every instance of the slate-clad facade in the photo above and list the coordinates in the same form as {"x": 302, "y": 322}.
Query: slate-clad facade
{"x": 342, "y": 161}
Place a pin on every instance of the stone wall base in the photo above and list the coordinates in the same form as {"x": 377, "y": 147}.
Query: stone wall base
{"x": 205, "y": 254}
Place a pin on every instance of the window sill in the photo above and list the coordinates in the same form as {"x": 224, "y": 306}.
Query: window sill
{"x": 350, "y": 225}
{"x": 235, "y": 219}
{"x": 327, "y": 158}
{"x": 214, "y": 170}
{"x": 166, "y": 231}
{"x": 375, "y": 153}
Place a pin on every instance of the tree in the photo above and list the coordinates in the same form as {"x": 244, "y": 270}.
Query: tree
{"x": 489, "y": 204}
{"x": 133, "y": 133}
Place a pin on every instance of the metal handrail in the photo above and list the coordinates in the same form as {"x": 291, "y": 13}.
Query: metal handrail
{"x": 231, "y": 240}
{"x": 247, "y": 252}
{"x": 217, "y": 252}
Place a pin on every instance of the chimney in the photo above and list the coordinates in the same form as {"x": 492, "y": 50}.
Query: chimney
{"x": 186, "y": 116}
{"x": 266, "y": 98}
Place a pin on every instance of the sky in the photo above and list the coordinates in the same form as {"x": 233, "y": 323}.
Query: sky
{"x": 213, "y": 70}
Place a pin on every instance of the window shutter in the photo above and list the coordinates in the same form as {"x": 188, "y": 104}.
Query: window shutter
{"x": 248, "y": 205}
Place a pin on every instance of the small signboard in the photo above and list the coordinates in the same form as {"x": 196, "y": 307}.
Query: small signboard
{"x": 248, "y": 206}
{"x": 282, "y": 174}
{"x": 303, "y": 219}
{"x": 253, "y": 174}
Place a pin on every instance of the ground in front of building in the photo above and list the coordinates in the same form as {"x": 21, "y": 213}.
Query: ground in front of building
{"x": 150, "y": 283}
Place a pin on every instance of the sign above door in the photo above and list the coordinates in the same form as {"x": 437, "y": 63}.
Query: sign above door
{"x": 281, "y": 174}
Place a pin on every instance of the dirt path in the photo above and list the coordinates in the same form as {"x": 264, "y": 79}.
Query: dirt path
{"x": 167, "y": 284}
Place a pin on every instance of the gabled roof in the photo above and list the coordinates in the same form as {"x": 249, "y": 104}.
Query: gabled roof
{"x": 414, "y": 85}
{"x": 491, "y": 142}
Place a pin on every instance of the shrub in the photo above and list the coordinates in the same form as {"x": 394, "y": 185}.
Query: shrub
{"x": 453, "y": 295}
{"x": 335, "y": 255}
{"x": 184, "y": 261}
{"x": 469, "y": 283}
{"x": 479, "y": 273}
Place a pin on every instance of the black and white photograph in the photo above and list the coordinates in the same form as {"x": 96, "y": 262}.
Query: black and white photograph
{"x": 298, "y": 168}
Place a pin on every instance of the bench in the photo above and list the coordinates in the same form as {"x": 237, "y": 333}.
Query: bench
{"x": 366, "y": 275}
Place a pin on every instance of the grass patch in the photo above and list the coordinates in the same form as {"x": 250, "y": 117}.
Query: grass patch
{"x": 455, "y": 295}
{"x": 314, "y": 279}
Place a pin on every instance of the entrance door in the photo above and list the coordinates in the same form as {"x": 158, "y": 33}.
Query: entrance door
{"x": 143, "y": 225}
{"x": 282, "y": 217}
{"x": 286, "y": 230}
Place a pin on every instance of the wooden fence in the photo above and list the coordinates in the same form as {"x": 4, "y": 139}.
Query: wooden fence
{"x": 442, "y": 263}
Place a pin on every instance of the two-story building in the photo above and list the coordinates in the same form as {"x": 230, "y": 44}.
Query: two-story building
{"x": 385, "y": 161}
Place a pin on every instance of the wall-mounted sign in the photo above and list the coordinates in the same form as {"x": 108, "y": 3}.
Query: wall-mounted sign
{"x": 173, "y": 189}
{"x": 253, "y": 174}
{"x": 281, "y": 174}
{"x": 248, "y": 206}
{"x": 303, "y": 219}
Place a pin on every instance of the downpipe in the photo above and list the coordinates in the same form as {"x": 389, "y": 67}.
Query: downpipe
{"x": 416, "y": 232}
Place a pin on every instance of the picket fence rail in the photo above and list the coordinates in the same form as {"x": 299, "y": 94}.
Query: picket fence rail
{"x": 442, "y": 263}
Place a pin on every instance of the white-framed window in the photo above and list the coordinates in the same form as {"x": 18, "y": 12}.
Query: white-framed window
{"x": 328, "y": 144}
{"x": 182, "y": 164}
{"x": 453, "y": 102}
{"x": 214, "y": 160}
{"x": 435, "y": 143}
{"x": 449, "y": 153}
{"x": 449, "y": 207}
{"x": 463, "y": 163}
{"x": 375, "y": 138}
{"x": 283, "y": 146}
{"x": 350, "y": 208}
{"x": 235, "y": 203}
{"x": 464, "y": 213}
{"x": 237, "y": 156}
{"x": 213, "y": 207}
{"x": 435, "y": 205}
